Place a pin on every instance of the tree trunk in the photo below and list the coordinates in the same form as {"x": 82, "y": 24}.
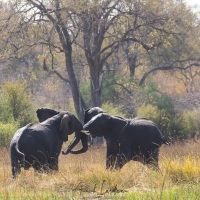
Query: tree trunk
{"x": 95, "y": 86}
{"x": 131, "y": 58}
{"x": 95, "y": 94}
{"x": 78, "y": 103}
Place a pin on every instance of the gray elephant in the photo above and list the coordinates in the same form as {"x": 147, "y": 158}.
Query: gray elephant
{"x": 39, "y": 145}
{"x": 138, "y": 139}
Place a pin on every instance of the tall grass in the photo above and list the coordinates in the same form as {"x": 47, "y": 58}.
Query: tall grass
{"x": 85, "y": 177}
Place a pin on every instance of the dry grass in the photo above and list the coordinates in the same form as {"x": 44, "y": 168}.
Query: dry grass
{"x": 85, "y": 177}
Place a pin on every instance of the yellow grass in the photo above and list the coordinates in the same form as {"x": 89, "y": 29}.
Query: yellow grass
{"x": 85, "y": 176}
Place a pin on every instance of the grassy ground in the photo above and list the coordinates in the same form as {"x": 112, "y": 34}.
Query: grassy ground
{"x": 85, "y": 177}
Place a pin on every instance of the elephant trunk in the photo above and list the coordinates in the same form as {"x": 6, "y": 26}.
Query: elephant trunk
{"x": 84, "y": 140}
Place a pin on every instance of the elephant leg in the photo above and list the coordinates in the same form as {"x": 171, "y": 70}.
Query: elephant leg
{"x": 54, "y": 163}
{"x": 16, "y": 169}
{"x": 40, "y": 161}
{"x": 15, "y": 162}
{"x": 26, "y": 164}
{"x": 40, "y": 166}
{"x": 152, "y": 158}
{"x": 111, "y": 156}
{"x": 124, "y": 155}
{"x": 153, "y": 161}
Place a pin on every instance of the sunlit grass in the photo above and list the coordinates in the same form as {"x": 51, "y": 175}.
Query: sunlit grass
{"x": 85, "y": 177}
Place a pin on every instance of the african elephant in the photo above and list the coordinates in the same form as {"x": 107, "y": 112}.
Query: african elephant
{"x": 39, "y": 145}
{"x": 137, "y": 139}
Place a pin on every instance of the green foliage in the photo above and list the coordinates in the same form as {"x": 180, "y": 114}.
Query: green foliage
{"x": 15, "y": 104}
{"x": 85, "y": 91}
{"x": 112, "y": 109}
{"x": 16, "y": 110}
{"x": 110, "y": 88}
{"x": 160, "y": 109}
{"x": 157, "y": 98}
{"x": 174, "y": 126}
{"x": 191, "y": 123}
{"x": 6, "y": 133}
{"x": 160, "y": 117}
{"x": 149, "y": 111}
{"x": 4, "y": 114}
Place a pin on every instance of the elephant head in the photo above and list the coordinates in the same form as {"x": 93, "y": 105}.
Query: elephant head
{"x": 69, "y": 124}
{"x": 90, "y": 113}
{"x": 102, "y": 123}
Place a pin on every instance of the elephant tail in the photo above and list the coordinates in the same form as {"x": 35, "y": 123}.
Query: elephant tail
{"x": 19, "y": 137}
{"x": 18, "y": 151}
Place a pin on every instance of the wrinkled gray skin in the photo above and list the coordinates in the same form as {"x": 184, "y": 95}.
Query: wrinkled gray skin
{"x": 74, "y": 124}
{"x": 39, "y": 145}
{"x": 137, "y": 139}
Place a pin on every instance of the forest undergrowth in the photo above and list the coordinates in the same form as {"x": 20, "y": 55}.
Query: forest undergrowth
{"x": 85, "y": 177}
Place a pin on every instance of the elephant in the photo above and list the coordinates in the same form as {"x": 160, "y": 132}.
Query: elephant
{"x": 39, "y": 145}
{"x": 136, "y": 139}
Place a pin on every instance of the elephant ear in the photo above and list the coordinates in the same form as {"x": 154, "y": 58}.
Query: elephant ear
{"x": 64, "y": 128}
{"x": 45, "y": 113}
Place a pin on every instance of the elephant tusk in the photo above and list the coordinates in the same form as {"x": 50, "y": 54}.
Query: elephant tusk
{"x": 86, "y": 132}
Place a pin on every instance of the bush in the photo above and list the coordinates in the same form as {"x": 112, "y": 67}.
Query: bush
{"x": 15, "y": 104}
{"x": 159, "y": 116}
{"x": 150, "y": 112}
{"x": 4, "y": 114}
{"x": 157, "y": 98}
{"x": 191, "y": 123}
{"x": 171, "y": 125}
{"x": 16, "y": 110}
{"x": 112, "y": 110}
{"x": 6, "y": 133}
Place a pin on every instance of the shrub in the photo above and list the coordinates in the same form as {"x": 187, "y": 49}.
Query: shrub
{"x": 17, "y": 104}
{"x": 4, "y": 114}
{"x": 191, "y": 123}
{"x": 171, "y": 125}
{"x": 157, "y": 98}
{"x": 159, "y": 116}
{"x": 6, "y": 133}
{"x": 112, "y": 110}
{"x": 150, "y": 112}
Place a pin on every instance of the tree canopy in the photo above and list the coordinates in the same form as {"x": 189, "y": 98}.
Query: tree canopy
{"x": 100, "y": 38}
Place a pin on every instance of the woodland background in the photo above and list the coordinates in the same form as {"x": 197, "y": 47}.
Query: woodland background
{"x": 132, "y": 58}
